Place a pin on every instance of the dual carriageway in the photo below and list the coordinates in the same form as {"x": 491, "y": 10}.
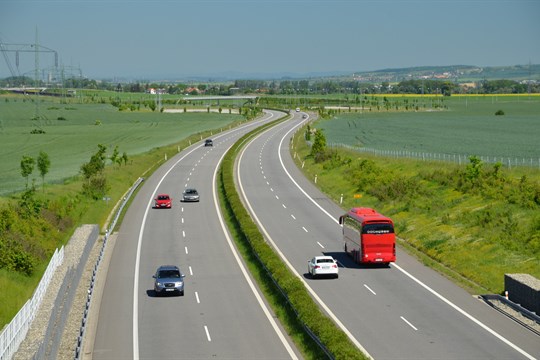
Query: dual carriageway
{"x": 404, "y": 311}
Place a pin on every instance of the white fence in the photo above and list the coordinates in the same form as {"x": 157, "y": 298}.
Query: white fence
{"x": 460, "y": 159}
{"x": 14, "y": 333}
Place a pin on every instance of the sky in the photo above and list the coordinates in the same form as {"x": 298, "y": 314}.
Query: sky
{"x": 154, "y": 39}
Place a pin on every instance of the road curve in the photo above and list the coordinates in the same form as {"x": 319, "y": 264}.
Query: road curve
{"x": 221, "y": 314}
{"x": 402, "y": 311}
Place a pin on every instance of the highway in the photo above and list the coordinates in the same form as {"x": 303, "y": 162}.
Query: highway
{"x": 221, "y": 315}
{"x": 404, "y": 311}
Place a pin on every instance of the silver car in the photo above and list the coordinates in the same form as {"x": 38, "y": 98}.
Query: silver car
{"x": 190, "y": 195}
{"x": 168, "y": 279}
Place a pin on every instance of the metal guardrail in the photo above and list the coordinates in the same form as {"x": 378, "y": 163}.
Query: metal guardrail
{"x": 55, "y": 330}
{"x": 82, "y": 331}
{"x": 516, "y": 307}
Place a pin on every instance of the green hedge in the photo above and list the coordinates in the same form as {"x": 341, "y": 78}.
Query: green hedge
{"x": 309, "y": 313}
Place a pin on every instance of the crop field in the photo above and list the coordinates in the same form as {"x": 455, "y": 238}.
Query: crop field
{"x": 466, "y": 126}
{"x": 71, "y": 133}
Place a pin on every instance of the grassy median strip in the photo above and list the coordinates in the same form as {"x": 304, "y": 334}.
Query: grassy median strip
{"x": 286, "y": 293}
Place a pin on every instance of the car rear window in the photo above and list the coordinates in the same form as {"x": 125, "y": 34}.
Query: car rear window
{"x": 325, "y": 261}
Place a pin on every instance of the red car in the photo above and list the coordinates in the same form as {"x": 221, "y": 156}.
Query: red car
{"x": 163, "y": 201}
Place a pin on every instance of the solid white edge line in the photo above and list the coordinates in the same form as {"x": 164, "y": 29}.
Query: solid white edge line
{"x": 137, "y": 262}
{"x": 245, "y": 272}
{"x": 482, "y": 325}
{"x": 282, "y": 256}
{"x": 135, "y": 314}
{"x": 467, "y": 315}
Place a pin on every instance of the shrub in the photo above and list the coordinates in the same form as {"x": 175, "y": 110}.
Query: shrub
{"x": 499, "y": 112}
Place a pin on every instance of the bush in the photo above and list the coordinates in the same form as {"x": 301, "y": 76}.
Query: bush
{"x": 499, "y": 112}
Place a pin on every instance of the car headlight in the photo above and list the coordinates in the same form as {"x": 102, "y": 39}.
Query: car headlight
{"x": 179, "y": 283}
{"x": 159, "y": 284}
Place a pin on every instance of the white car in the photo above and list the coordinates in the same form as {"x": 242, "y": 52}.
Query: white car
{"x": 323, "y": 265}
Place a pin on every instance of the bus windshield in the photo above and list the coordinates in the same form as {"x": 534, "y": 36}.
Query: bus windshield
{"x": 380, "y": 228}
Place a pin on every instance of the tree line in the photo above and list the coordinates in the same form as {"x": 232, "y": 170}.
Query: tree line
{"x": 298, "y": 87}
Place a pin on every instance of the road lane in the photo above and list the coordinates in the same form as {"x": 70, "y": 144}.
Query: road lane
{"x": 220, "y": 315}
{"x": 382, "y": 323}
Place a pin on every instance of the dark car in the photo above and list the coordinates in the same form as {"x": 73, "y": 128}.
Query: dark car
{"x": 190, "y": 195}
{"x": 208, "y": 142}
{"x": 168, "y": 279}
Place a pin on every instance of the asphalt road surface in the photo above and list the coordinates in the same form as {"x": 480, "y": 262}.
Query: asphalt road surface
{"x": 221, "y": 315}
{"x": 404, "y": 311}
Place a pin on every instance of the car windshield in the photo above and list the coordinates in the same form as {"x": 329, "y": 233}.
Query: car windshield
{"x": 162, "y": 274}
{"x": 191, "y": 191}
{"x": 163, "y": 197}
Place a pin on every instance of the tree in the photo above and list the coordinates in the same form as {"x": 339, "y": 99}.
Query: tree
{"x": 27, "y": 166}
{"x": 125, "y": 158}
{"x": 115, "y": 155}
{"x": 43, "y": 164}
{"x": 474, "y": 169}
{"x": 95, "y": 184}
{"x": 319, "y": 144}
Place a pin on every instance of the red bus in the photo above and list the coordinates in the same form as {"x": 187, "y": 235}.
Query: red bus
{"x": 368, "y": 236}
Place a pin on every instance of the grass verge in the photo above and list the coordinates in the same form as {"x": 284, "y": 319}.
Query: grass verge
{"x": 287, "y": 295}
{"x": 473, "y": 234}
{"x": 73, "y": 209}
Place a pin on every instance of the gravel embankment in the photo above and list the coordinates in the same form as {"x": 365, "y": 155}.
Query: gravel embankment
{"x": 34, "y": 341}
{"x": 73, "y": 251}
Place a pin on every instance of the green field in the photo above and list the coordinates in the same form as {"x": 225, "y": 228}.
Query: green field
{"x": 467, "y": 126}
{"x": 72, "y": 141}
{"x": 473, "y": 226}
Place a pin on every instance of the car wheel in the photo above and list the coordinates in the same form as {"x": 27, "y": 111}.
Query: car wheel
{"x": 182, "y": 293}
{"x": 337, "y": 276}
